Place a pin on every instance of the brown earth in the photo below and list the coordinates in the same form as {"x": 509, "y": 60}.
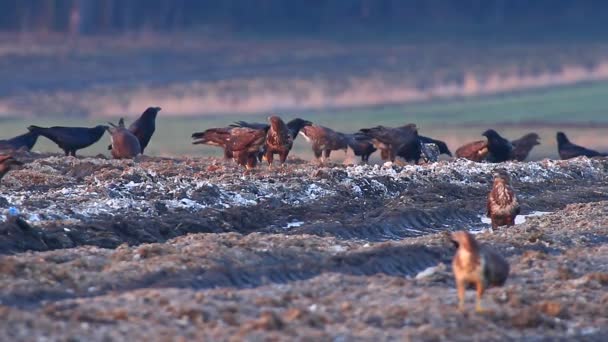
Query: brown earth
{"x": 169, "y": 249}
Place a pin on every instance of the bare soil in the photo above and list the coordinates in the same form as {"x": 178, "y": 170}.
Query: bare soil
{"x": 190, "y": 248}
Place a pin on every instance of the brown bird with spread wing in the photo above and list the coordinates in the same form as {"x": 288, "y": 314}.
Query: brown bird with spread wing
{"x": 473, "y": 264}
{"x": 240, "y": 143}
{"x": 502, "y": 203}
{"x": 7, "y": 163}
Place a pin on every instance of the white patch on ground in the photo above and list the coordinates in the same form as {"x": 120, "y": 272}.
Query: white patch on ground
{"x": 519, "y": 219}
{"x": 293, "y": 224}
{"x": 429, "y": 271}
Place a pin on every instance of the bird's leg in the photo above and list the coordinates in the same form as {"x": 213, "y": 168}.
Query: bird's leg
{"x": 67, "y": 152}
{"x": 73, "y": 153}
{"x": 461, "y": 292}
{"x": 480, "y": 289}
{"x": 269, "y": 157}
{"x": 283, "y": 157}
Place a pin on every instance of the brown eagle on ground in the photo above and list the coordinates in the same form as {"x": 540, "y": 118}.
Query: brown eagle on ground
{"x": 476, "y": 151}
{"x": 240, "y": 143}
{"x": 502, "y": 205}
{"x": 568, "y": 150}
{"x": 7, "y": 163}
{"x": 473, "y": 264}
{"x": 392, "y": 142}
{"x": 278, "y": 140}
{"x": 324, "y": 140}
{"x": 361, "y": 145}
{"x": 523, "y": 146}
{"x": 293, "y": 128}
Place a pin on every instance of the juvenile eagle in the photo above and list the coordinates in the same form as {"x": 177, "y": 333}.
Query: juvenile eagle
{"x": 502, "y": 205}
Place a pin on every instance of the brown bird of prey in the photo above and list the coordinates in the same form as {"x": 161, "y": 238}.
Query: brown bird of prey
{"x": 568, "y": 150}
{"x": 241, "y": 143}
{"x": 125, "y": 145}
{"x": 475, "y": 265}
{"x": 523, "y": 146}
{"x": 392, "y": 142}
{"x": 502, "y": 206}
{"x": 324, "y": 140}
{"x": 7, "y": 163}
{"x": 143, "y": 128}
{"x": 476, "y": 151}
{"x": 278, "y": 140}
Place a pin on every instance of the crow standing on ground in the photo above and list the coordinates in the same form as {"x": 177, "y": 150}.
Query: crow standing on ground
{"x": 499, "y": 148}
{"x": 568, "y": 150}
{"x": 443, "y": 147}
{"x": 70, "y": 139}
{"x": 361, "y": 145}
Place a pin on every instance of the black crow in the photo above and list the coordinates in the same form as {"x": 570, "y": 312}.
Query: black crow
{"x": 71, "y": 139}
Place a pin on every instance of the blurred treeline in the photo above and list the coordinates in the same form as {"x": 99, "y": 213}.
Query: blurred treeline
{"x": 290, "y": 16}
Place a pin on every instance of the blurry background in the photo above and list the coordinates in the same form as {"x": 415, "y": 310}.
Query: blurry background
{"x": 453, "y": 67}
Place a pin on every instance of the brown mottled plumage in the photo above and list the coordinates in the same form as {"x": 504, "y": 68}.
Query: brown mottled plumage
{"x": 241, "y": 143}
{"x": 473, "y": 264}
{"x": 502, "y": 206}
{"x": 7, "y": 162}
{"x": 125, "y": 144}
{"x": 278, "y": 140}
{"x": 476, "y": 151}
{"x": 324, "y": 140}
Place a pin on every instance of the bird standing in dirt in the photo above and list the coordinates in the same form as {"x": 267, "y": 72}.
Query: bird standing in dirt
{"x": 7, "y": 163}
{"x": 24, "y": 141}
{"x": 473, "y": 264}
{"x": 443, "y": 147}
{"x": 241, "y": 143}
{"x": 278, "y": 140}
{"x": 324, "y": 140}
{"x": 523, "y": 146}
{"x": 392, "y": 142}
{"x": 293, "y": 128}
{"x": 499, "y": 148}
{"x": 125, "y": 145}
{"x": 568, "y": 150}
{"x": 144, "y": 127}
{"x": 361, "y": 145}
{"x": 70, "y": 139}
{"x": 502, "y": 205}
{"x": 476, "y": 151}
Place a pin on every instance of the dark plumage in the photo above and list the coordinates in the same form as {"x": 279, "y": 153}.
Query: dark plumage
{"x": 392, "y": 142}
{"x": 499, "y": 148}
{"x": 568, "y": 150}
{"x": 473, "y": 264}
{"x": 124, "y": 144}
{"x": 241, "y": 143}
{"x": 476, "y": 151}
{"x": 7, "y": 163}
{"x": 502, "y": 205}
{"x": 523, "y": 146}
{"x": 443, "y": 147}
{"x": 361, "y": 145}
{"x": 70, "y": 139}
{"x": 324, "y": 140}
{"x": 24, "y": 141}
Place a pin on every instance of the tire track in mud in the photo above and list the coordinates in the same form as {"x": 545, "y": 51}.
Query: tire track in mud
{"x": 279, "y": 266}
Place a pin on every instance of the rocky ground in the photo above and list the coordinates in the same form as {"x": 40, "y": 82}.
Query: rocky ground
{"x": 166, "y": 249}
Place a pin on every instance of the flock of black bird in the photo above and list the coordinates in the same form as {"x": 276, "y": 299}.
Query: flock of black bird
{"x": 249, "y": 143}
